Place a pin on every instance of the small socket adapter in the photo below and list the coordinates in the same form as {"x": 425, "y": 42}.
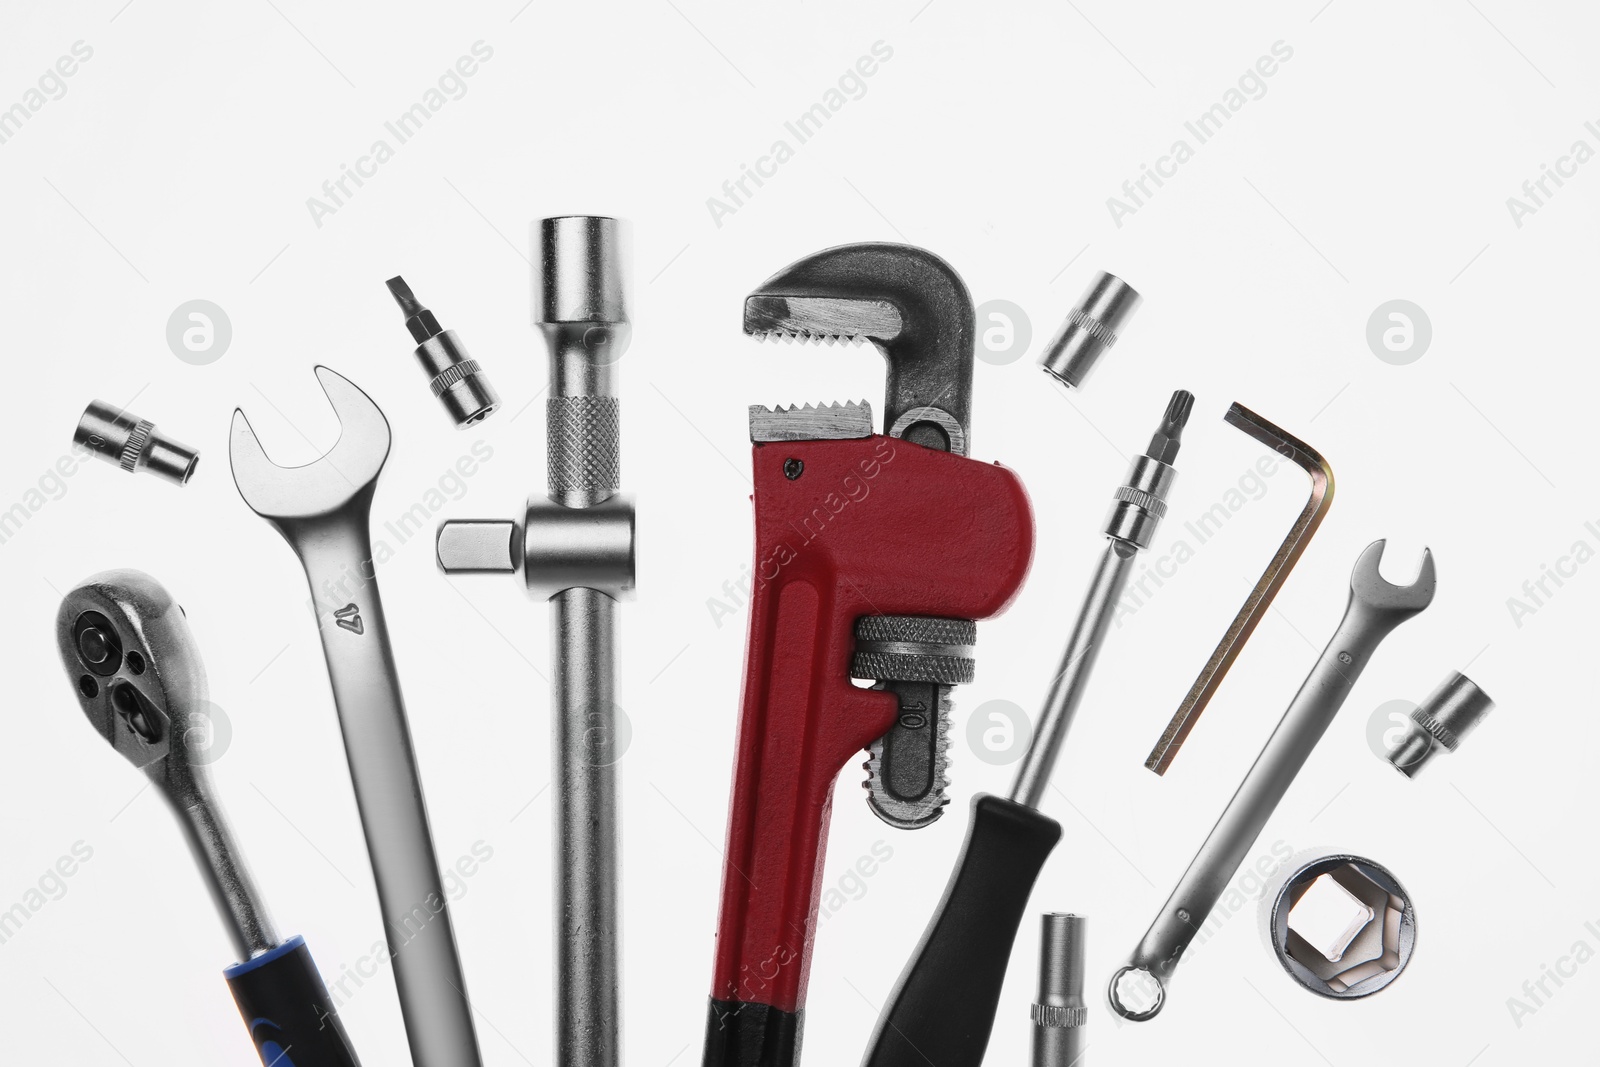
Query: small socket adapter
{"x": 455, "y": 377}
{"x": 134, "y": 444}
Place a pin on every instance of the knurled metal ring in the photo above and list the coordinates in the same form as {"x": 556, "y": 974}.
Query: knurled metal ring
{"x": 914, "y": 648}
{"x": 137, "y": 439}
{"x": 453, "y": 374}
{"x": 922, "y": 629}
{"x": 1141, "y": 499}
{"x": 1092, "y": 326}
{"x": 1438, "y": 730}
{"x": 1059, "y": 1016}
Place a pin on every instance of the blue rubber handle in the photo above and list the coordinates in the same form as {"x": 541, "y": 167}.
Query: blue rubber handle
{"x": 291, "y": 1018}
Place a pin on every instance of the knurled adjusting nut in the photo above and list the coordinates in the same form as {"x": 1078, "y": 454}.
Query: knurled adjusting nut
{"x": 914, "y": 648}
{"x": 590, "y": 547}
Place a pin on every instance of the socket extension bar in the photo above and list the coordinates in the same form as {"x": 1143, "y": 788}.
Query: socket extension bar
{"x": 576, "y": 549}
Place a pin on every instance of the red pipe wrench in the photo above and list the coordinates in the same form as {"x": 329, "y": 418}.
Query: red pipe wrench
{"x": 874, "y": 554}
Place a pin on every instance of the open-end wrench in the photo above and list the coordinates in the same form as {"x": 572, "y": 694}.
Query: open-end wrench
{"x": 323, "y": 510}
{"x": 1137, "y": 990}
{"x": 873, "y": 555}
{"x": 137, "y": 673}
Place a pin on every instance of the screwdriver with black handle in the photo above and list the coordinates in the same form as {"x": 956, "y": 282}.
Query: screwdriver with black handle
{"x": 942, "y": 1009}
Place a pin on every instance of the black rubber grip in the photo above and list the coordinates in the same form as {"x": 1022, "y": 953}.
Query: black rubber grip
{"x": 751, "y": 1035}
{"x": 284, "y": 1003}
{"x": 942, "y": 1010}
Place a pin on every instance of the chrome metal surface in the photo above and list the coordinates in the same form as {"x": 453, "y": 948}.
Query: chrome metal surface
{"x": 1136, "y": 510}
{"x": 1440, "y": 723}
{"x": 1092, "y": 327}
{"x": 134, "y": 444}
{"x": 136, "y": 669}
{"x": 479, "y": 546}
{"x": 1084, "y": 642}
{"x": 1059, "y": 1013}
{"x": 586, "y": 747}
{"x": 1374, "y": 609}
{"x": 592, "y": 547}
{"x": 322, "y": 510}
{"x": 578, "y": 550}
{"x": 453, "y": 376}
{"x": 1373, "y": 951}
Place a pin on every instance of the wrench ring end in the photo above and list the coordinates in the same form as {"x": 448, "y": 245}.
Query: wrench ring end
{"x": 1122, "y": 1009}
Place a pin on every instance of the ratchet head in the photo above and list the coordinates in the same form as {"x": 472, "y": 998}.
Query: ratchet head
{"x": 127, "y": 649}
{"x": 909, "y": 303}
{"x": 324, "y": 486}
{"x": 1394, "y": 604}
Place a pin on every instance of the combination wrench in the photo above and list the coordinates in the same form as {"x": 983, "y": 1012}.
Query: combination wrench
{"x": 1137, "y": 990}
{"x": 323, "y": 510}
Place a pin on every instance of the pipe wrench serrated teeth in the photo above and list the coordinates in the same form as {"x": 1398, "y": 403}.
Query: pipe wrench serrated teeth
{"x": 811, "y": 422}
{"x": 914, "y": 309}
{"x": 821, "y": 318}
{"x": 793, "y": 337}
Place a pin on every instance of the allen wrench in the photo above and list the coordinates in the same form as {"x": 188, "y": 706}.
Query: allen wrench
{"x": 1266, "y": 588}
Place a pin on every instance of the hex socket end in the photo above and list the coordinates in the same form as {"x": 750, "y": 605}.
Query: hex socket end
{"x": 1059, "y": 1013}
{"x": 1440, "y": 723}
{"x": 134, "y": 444}
{"x": 1093, "y": 325}
{"x": 581, "y": 266}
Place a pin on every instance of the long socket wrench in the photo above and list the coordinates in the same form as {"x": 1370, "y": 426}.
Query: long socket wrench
{"x": 1138, "y": 989}
{"x": 577, "y": 550}
{"x": 323, "y": 509}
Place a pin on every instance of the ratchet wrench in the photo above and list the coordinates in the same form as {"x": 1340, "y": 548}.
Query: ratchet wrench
{"x": 1138, "y": 989}
{"x": 323, "y": 510}
{"x": 126, "y": 645}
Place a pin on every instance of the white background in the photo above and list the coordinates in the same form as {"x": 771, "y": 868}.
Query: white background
{"x": 1376, "y": 165}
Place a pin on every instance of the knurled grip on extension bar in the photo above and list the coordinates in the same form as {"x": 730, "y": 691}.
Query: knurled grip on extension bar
{"x": 585, "y": 461}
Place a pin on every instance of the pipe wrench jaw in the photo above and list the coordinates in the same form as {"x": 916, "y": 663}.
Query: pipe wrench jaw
{"x": 841, "y": 535}
{"x": 910, "y": 304}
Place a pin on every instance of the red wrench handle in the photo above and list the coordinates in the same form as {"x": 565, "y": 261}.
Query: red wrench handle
{"x": 844, "y": 528}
